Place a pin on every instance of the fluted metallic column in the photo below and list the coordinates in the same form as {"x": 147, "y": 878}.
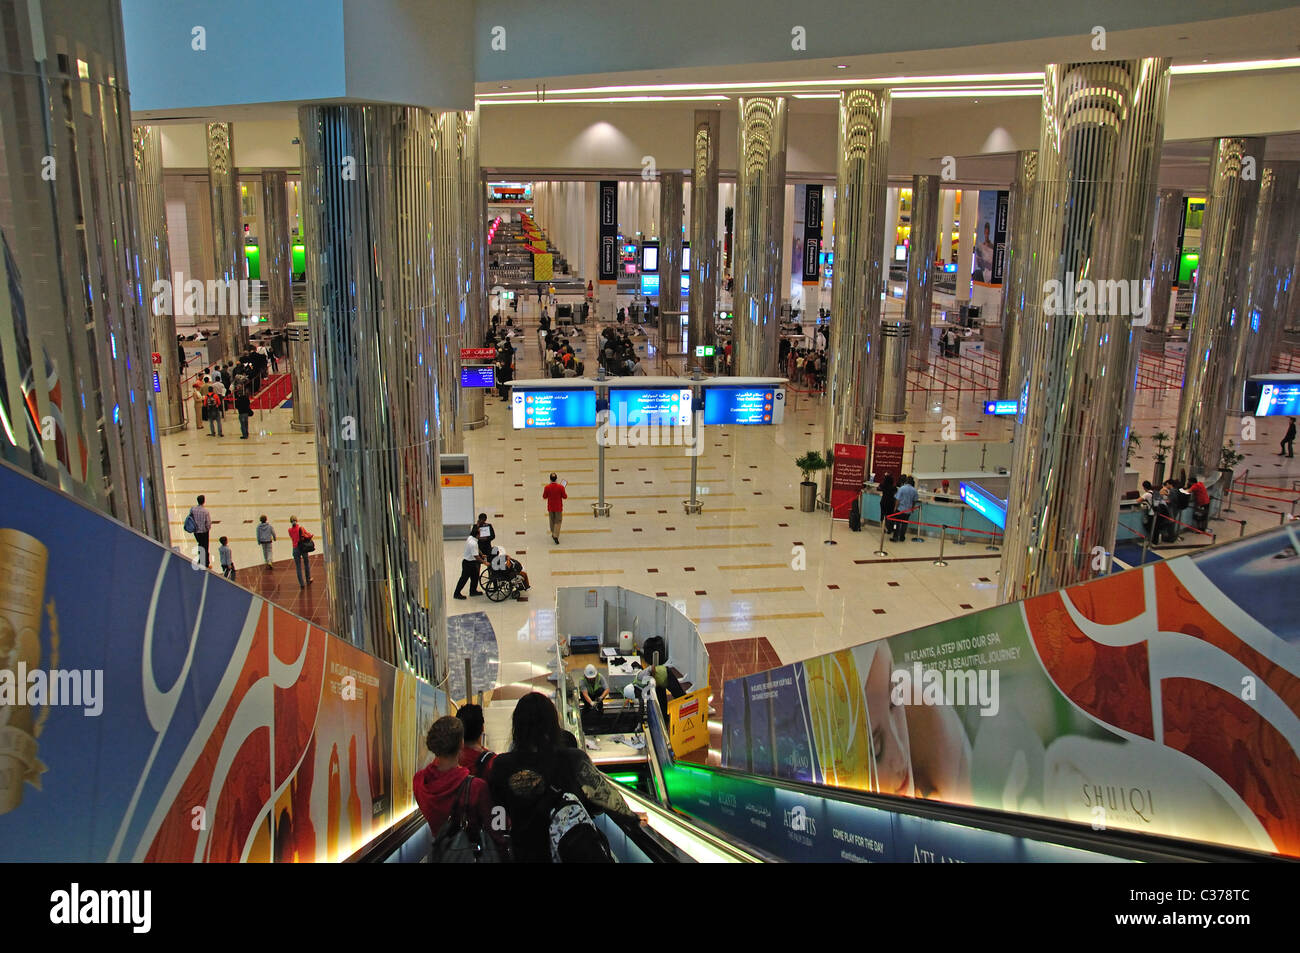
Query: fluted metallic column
{"x": 1019, "y": 266}
{"x": 704, "y": 237}
{"x": 1102, "y": 133}
{"x": 861, "y": 196}
{"x": 1216, "y": 336}
{"x": 759, "y": 222}
{"x": 227, "y": 231}
{"x": 449, "y": 276}
{"x": 670, "y": 262}
{"x": 920, "y": 265}
{"x": 75, "y": 327}
{"x": 301, "y": 375}
{"x": 891, "y": 387}
{"x": 277, "y": 250}
{"x": 370, "y": 285}
{"x": 1171, "y": 205}
{"x": 156, "y": 266}
{"x": 473, "y": 222}
{"x": 1272, "y": 261}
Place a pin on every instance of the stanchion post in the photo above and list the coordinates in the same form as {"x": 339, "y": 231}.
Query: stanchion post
{"x": 469, "y": 680}
{"x": 943, "y": 537}
{"x": 884, "y": 521}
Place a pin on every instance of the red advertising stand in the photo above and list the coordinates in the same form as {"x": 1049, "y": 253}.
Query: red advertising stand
{"x": 848, "y": 474}
{"x": 887, "y": 455}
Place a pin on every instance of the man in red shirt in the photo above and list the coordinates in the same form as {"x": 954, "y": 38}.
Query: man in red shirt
{"x": 554, "y": 495}
{"x": 437, "y": 787}
{"x": 1200, "y": 503}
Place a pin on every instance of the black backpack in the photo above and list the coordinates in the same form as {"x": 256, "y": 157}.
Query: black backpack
{"x": 481, "y": 764}
{"x": 574, "y": 838}
{"x": 453, "y": 843}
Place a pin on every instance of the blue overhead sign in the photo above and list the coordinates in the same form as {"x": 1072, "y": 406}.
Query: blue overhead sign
{"x": 984, "y": 503}
{"x": 1001, "y": 408}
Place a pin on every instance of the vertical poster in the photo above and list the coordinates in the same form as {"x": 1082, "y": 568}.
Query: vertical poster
{"x": 1000, "y": 237}
{"x": 812, "y": 235}
{"x": 607, "y": 210}
{"x": 887, "y": 455}
{"x": 984, "y": 267}
{"x": 766, "y": 727}
{"x": 848, "y": 475}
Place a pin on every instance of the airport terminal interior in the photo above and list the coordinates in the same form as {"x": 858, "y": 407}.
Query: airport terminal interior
{"x": 947, "y": 512}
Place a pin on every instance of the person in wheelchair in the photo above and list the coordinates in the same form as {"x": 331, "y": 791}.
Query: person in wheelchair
{"x": 506, "y": 572}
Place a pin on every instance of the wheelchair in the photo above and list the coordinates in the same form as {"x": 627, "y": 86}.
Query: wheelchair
{"x": 501, "y": 584}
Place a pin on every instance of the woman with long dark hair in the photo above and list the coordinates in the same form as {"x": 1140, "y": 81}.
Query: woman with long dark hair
{"x": 888, "y": 499}
{"x": 538, "y": 763}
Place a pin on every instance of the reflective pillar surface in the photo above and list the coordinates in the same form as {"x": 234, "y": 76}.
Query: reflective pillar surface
{"x": 1170, "y": 207}
{"x": 861, "y": 195}
{"x": 75, "y": 328}
{"x": 473, "y": 223}
{"x": 370, "y": 285}
{"x": 759, "y": 221}
{"x": 227, "y": 234}
{"x": 704, "y": 237}
{"x": 1272, "y": 261}
{"x": 277, "y": 253}
{"x": 920, "y": 265}
{"x": 449, "y": 276}
{"x": 155, "y": 267}
{"x": 670, "y": 263}
{"x": 1102, "y": 132}
{"x": 1019, "y": 262}
{"x": 891, "y": 389}
{"x": 1217, "y": 333}
{"x": 298, "y": 337}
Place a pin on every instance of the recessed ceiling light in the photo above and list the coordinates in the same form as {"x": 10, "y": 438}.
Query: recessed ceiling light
{"x": 841, "y": 65}
{"x": 503, "y": 86}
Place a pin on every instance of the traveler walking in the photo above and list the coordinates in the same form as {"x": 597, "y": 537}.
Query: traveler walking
{"x": 302, "y": 546}
{"x": 265, "y": 537}
{"x": 475, "y": 757}
{"x": 227, "y": 558}
{"x": 470, "y": 566}
{"x": 554, "y": 495}
{"x": 1288, "y": 441}
{"x": 451, "y": 798}
{"x": 199, "y": 522}
{"x": 243, "y": 407}
{"x": 212, "y": 410}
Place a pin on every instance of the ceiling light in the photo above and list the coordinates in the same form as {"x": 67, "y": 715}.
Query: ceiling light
{"x": 1242, "y": 66}
{"x": 503, "y": 86}
{"x": 603, "y": 99}
{"x": 841, "y": 65}
{"x": 796, "y": 84}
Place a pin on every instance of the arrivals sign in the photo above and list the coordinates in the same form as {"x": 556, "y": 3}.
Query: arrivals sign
{"x": 848, "y": 474}
{"x": 607, "y": 211}
{"x": 478, "y": 354}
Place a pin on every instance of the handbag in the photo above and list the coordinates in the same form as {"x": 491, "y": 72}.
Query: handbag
{"x": 305, "y": 543}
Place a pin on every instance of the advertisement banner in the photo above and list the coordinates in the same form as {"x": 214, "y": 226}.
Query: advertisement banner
{"x": 848, "y": 474}
{"x": 990, "y": 238}
{"x": 607, "y": 213}
{"x": 1161, "y": 700}
{"x": 543, "y": 267}
{"x": 812, "y": 235}
{"x": 179, "y": 717}
{"x": 887, "y": 455}
{"x": 766, "y": 729}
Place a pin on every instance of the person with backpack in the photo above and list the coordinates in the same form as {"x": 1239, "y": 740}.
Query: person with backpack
{"x": 1200, "y": 504}
{"x": 212, "y": 412}
{"x": 199, "y": 523}
{"x": 457, "y": 805}
{"x": 243, "y": 407}
{"x": 302, "y": 545}
{"x": 474, "y": 756}
{"x": 550, "y": 791}
{"x": 265, "y": 537}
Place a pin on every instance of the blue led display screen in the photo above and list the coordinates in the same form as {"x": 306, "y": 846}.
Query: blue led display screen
{"x": 738, "y": 405}
{"x": 478, "y": 375}
{"x": 1000, "y": 408}
{"x": 984, "y": 503}
{"x": 1273, "y": 396}
{"x": 553, "y": 408}
{"x": 663, "y": 407}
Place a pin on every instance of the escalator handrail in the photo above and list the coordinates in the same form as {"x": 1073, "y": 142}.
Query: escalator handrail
{"x": 390, "y": 841}
{"x": 1115, "y": 842}
{"x": 716, "y": 839}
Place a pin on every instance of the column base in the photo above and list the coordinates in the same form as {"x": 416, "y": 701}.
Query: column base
{"x": 891, "y": 418}
{"x": 601, "y": 509}
{"x": 301, "y": 428}
{"x": 175, "y": 428}
{"x": 693, "y": 507}
{"x": 474, "y": 424}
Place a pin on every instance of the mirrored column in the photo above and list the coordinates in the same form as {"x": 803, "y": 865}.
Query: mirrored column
{"x": 1216, "y": 336}
{"x": 156, "y": 273}
{"x": 1017, "y": 283}
{"x": 449, "y": 276}
{"x": 704, "y": 238}
{"x": 75, "y": 328}
{"x": 227, "y": 239}
{"x": 920, "y": 266}
{"x": 670, "y": 263}
{"x": 368, "y": 213}
{"x": 1102, "y": 132}
{"x": 473, "y": 221}
{"x": 861, "y": 198}
{"x": 759, "y": 222}
{"x": 277, "y": 253}
{"x": 1273, "y": 261}
{"x": 1171, "y": 205}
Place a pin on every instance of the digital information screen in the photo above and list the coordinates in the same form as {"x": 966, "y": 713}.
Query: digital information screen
{"x": 739, "y": 405}
{"x": 478, "y": 375}
{"x": 984, "y": 503}
{"x": 1273, "y": 396}
{"x": 649, "y": 257}
{"x": 553, "y": 408}
{"x": 1001, "y": 408}
{"x": 628, "y": 407}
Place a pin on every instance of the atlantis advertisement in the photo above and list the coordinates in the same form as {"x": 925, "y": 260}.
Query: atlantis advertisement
{"x": 152, "y": 711}
{"x": 1163, "y": 700}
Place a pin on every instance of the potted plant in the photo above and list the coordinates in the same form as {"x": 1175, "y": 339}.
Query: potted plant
{"x": 808, "y": 464}
{"x": 1162, "y": 445}
{"x": 1134, "y": 442}
{"x": 1228, "y": 460}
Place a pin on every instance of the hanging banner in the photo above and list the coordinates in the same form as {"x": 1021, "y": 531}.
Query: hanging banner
{"x": 812, "y": 235}
{"x": 990, "y": 238}
{"x": 607, "y": 210}
{"x": 848, "y": 474}
{"x": 887, "y": 455}
{"x": 543, "y": 267}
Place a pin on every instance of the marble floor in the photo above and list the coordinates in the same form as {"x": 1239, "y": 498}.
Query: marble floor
{"x": 751, "y": 569}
